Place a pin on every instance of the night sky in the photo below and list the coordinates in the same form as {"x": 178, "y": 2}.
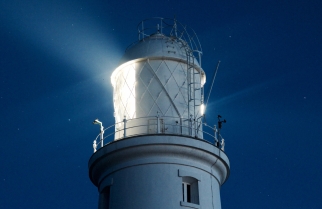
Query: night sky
{"x": 56, "y": 59}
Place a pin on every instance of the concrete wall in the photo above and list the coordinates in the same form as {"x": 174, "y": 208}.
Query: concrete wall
{"x": 146, "y": 172}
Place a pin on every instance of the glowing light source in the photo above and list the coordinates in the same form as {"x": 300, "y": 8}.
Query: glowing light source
{"x": 128, "y": 91}
{"x": 123, "y": 80}
{"x": 202, "y": 109}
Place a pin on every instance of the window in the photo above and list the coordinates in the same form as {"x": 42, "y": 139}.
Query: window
{"x": 190, "y": 191}
{"x": 186, "y": 192}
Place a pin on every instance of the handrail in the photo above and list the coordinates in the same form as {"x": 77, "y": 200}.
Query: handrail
{"x": 181, "y": 124}
{"x": 170, "y": 27}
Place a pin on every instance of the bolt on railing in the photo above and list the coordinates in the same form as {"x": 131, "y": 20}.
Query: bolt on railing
{"x": 158, "y": 123}
{"x": 124, "y": 121}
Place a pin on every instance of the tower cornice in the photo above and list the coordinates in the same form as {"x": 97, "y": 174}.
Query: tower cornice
{"x": 158, "y": 149}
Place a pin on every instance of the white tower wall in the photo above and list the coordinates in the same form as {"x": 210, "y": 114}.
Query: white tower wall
{"x": 157, "y": 82}
{"x": 148, "y": 172}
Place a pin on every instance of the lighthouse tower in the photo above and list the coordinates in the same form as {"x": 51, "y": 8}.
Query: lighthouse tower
{"x": 161, "y": 154}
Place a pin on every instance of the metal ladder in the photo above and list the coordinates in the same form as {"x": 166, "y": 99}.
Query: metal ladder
{"x": 191, "y": 84}
{"x": 191, "y": 80}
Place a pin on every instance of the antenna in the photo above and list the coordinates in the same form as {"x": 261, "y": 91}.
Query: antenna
{"x": 175, "y": 27}
{"x": 213, "y": 80}
{"x": 220, "y": 122}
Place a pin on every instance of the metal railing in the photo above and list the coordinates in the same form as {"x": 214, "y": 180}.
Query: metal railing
{"x": 168, "y": 26}
{"x": 141, "y": 126}
{"x": 172, "y": 28}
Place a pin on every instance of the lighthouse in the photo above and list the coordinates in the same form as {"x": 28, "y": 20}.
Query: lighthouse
{"x": 159, "y": 154}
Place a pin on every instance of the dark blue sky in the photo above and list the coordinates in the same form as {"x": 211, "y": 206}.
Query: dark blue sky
{"x": 56, "y": 59}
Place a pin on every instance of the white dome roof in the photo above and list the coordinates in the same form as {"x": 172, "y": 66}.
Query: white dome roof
{"x": 157, "y": 46}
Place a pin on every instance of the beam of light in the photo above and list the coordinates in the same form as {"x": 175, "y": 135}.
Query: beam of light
{"x": 71, "y": 34}
{"x": 245, "y": 92}
{"x": 65, "y": 31}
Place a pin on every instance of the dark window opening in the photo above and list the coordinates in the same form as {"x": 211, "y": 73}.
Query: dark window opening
{"x": 188, "y": 193}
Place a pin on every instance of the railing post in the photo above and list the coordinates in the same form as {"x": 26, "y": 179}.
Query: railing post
{"x": 181, "y": 125}
{"x": 190, "y": 125}
{"x": 158, "y": 123}
{"x": 222, "y": 144}
{"x": 216, "y": 139}
{"x": 124, "y": 130}
{"x": 102, "y": 136}
{"x": 94, "y": 145}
